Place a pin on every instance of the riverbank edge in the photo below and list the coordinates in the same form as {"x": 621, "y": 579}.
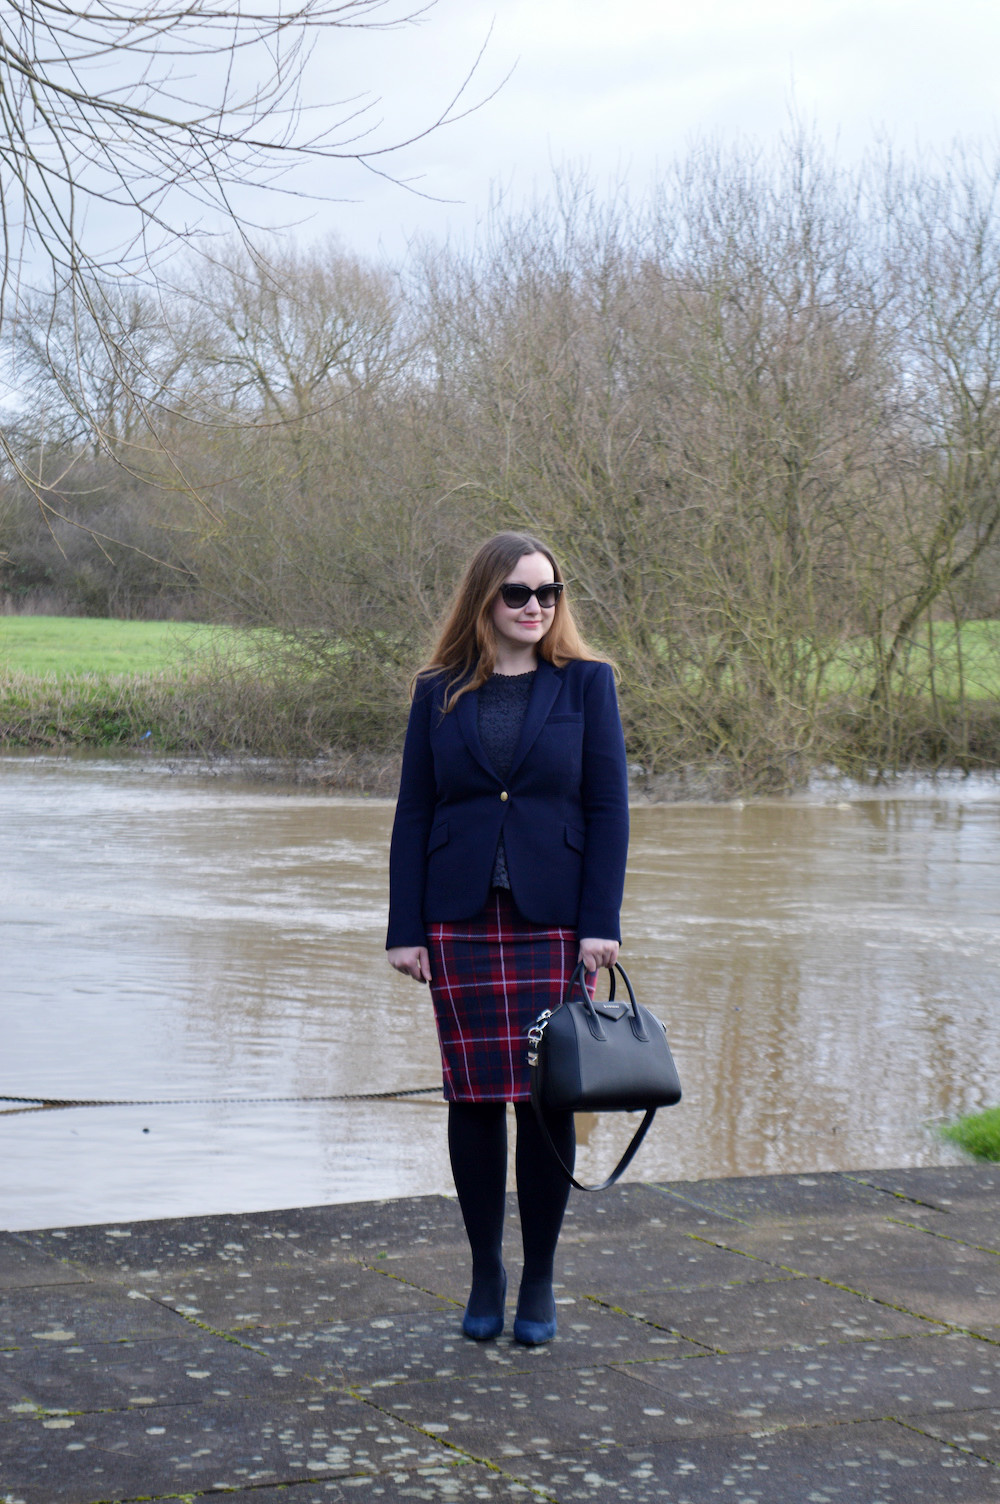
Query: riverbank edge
{"x": 376, "y": 779}
{"x": 281, "y": 730}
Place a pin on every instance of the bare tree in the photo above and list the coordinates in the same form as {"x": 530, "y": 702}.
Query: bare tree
{"x": 126, "y": 133}
{"x": 90, "y": 385}
{"x": 758, "y": 418}
{"x": 279, "y": 333}
{"x": 946, "y": 229}
{"x": 119, "y": 125}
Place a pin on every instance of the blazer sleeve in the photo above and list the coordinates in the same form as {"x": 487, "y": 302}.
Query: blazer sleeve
{"x": 411, "y": 827}
{"x": 604, "y": 796}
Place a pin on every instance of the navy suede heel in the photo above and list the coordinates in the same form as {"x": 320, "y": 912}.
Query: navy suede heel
{"x": 535, "y": 1296}
{"x": 533, "y": 1333}
{"x": 485, "y": 1328}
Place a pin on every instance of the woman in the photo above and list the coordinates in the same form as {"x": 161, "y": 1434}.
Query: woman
{"x": 506, "y": 868}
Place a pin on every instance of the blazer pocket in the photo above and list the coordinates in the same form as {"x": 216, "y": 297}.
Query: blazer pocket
{"x": 565, "y": 720}
{"x": 437, "y": 837}
{"x": 575, "y": 838}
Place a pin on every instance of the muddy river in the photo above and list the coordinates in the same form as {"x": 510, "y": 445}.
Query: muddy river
{"x": 826, "y": 965}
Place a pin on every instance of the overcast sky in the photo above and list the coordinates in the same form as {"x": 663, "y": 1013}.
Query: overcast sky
{"x": 620, "y": 86}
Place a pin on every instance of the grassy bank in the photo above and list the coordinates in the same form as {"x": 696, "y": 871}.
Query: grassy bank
{"x": 241, "y": 717}
{"x": 179, "y": 688}
{"x": 68, "y": 647}
{"x": 186, "y": 688}
{"x": 940, "y": 661}
{"x": 978, "y": 1134}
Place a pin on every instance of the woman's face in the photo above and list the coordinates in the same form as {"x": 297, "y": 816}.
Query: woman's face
{"x": 524, "y": 626}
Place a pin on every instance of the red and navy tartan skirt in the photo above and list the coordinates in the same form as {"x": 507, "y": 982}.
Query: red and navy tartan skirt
{"x": 491, "y": 976}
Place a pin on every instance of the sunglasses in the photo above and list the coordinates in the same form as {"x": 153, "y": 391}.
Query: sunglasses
{"x": 516, "y": 596}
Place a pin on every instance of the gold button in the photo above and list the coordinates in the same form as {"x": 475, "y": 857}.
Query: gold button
{"x": 504, "y": 797}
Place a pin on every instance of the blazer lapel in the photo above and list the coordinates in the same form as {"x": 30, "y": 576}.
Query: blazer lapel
{"x": 467, "y": 715}
{"x": 548, "y": 682}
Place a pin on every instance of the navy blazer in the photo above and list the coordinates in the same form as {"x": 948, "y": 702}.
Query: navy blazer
{"x": 563, "y": 809}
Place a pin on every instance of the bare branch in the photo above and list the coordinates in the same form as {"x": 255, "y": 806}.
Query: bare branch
{"x": 117, "y": 122}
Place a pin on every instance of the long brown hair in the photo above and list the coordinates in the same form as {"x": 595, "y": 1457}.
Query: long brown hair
{"x": 466, "y": 649}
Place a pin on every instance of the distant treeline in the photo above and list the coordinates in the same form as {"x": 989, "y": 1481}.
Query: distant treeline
{"x": 756, "y": 414}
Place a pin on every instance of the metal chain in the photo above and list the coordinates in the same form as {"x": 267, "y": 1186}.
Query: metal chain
{"x": 351, "y": 1096}
{"x": 536, "y": 1034}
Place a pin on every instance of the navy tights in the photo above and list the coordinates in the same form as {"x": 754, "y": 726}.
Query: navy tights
{"x": 477, "y": 1142}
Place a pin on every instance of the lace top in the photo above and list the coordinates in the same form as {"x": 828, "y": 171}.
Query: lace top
{"x": 503, "y": 703}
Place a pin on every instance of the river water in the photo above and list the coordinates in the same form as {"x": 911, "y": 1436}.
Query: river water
{"x": 826, "y": 965}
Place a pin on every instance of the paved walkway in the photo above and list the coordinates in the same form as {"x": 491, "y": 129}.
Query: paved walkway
{"x": 805, "y": 1339}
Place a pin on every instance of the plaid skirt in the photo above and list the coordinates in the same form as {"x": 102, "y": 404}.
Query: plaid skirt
{"x": 491, "y": 976}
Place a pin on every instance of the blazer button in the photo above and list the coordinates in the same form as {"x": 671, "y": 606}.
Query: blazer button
{"x": 504, "y": 797}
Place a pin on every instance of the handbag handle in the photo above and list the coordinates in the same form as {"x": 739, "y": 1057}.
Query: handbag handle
{"x": 576, "y": 980}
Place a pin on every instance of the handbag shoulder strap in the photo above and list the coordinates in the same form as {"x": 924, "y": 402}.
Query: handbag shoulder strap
{"x": 620, "y": 1167}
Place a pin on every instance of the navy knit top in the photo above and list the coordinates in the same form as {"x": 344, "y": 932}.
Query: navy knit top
{"x": 503, "y": 704}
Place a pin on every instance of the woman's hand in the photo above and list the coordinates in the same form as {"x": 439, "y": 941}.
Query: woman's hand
{"x": 413, "y": 960}
{"x": 597, "y": 953}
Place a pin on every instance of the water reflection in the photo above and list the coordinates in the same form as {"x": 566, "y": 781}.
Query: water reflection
{"x": 826, "y": 968}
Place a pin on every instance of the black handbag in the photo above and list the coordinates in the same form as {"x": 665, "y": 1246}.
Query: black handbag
{"x": 589, "y": 1056}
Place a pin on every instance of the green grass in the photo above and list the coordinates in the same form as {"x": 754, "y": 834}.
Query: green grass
{"x": 978, "y": 1134}
{"x": 84, "y": 681}
{"x": 951, "y": 662}
{"x": 67, "y": 646}
{"x": 165, "y": 686}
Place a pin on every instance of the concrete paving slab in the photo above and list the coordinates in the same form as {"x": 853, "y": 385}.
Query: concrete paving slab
{"x": 975, "y": 1431}
{"x": 63, "y": 1314}
{"x": 978, "y": 1227}
{"x": 441, "y": 1272}
{"x": 124, "y": 1251}
{"x": 819, "y": 1195}
{"x": 21, "y": 1264}
{"x": 944, "y": 1186}
{"x": 589, "y": 1262}
{"x": 966, "y": 1295}
{"x": 638, "y": 1208}
{"x": 184, "y": 1449}
{"x": 785, "y": 1313}
{"x": 881, "y": 1463}
{"x": 616, "y": 1273}
{"x": 368, "y": 1356}
{"x": 273, "y": 1360}
{"x": 909, "y": 1377}
{"x": 112, "y": 1376}
{"x": 462, "y": 1481}
{"x": 255, "y": 1237}
{"x": 302, "y": 1296}
{"x": 592, "y": 1267}
{"x": 363, "y": 1229}
{"x": 371, "y": 1355}
{"x": 835, "y": 1248}
{"x": 551, "y": 1410}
